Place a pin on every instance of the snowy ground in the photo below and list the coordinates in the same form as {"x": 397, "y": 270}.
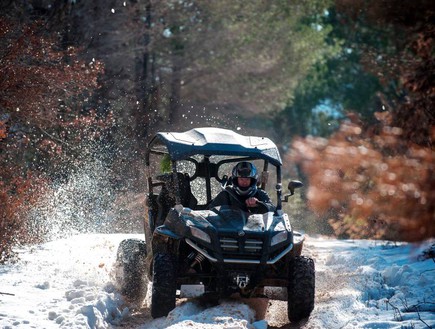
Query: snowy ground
{"x": 360, "y": 284}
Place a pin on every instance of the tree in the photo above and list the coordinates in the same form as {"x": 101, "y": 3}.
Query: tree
{"x": 376, "y": 180}
{"x": 42, "y": 118}
{"x": 343, "y": 82}
{"x": 179, "y": 63}
{"x": 227, "y": 55}
{"x": 364, "y": 187}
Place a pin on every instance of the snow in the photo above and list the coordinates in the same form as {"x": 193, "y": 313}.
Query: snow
{"x": 68, "y": 283}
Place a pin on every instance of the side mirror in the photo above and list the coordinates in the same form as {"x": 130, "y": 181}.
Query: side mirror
{"x": 294, "y": 184}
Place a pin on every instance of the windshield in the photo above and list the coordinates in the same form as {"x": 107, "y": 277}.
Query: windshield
{"x": 224, "y": 166}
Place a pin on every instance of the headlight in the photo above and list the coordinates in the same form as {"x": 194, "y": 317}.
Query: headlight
{"x": 278, "y": 238}
{"x": 197, "y": 233}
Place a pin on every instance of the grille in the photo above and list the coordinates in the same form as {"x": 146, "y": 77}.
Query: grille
{"x": 250, "y": 248}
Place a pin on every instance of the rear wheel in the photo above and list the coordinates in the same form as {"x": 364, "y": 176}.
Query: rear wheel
{"x": 301, "y": 288}
{"x": 130, "y": 270}
{"x": 164, "y": 284}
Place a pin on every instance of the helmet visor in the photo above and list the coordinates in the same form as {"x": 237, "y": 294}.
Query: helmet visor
{"x": 244, "y": 172}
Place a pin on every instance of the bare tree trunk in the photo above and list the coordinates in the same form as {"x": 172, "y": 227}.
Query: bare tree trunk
{"x": 145, "y": 83}
{"x": 174, "y": 101}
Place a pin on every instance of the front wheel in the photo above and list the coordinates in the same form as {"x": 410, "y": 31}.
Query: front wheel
{"x": 301, "y": 288}
{"x": 164, "y": 284}
{"x": 130, "y": 270}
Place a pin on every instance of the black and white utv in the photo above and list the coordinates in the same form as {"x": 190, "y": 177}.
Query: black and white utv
{"x": 191, "y": 250}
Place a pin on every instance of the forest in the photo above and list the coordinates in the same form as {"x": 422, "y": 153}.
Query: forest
{"x": 345, "y": 88}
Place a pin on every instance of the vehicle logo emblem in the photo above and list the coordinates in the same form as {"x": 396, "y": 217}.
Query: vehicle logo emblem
{"x": 241, "y": 233}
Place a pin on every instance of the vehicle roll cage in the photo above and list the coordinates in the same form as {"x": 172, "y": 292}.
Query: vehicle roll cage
{"x": 213, "y": 142}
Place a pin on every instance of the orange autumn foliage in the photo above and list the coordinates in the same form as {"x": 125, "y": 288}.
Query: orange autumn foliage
{"x": 41, "y": 118}
{"x": 365, "y": 188}
{"x": 16, "y": 197}
{"x": 40, "y": 74}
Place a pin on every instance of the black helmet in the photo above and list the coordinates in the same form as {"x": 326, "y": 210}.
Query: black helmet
{"x": 247, "y": 170}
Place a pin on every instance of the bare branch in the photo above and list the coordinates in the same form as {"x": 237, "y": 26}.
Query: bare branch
{"x": 6, "y": 293}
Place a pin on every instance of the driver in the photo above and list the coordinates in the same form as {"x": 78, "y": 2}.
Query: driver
{"x": 243, "y": 192}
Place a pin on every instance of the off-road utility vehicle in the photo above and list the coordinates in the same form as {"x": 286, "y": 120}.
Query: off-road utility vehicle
{"x": 192, "y": 250}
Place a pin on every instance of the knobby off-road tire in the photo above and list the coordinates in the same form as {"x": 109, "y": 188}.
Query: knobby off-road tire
{"x": 130, "y": 270}
{"x": 301, "y": 288}
{"x": 164, "y": 284}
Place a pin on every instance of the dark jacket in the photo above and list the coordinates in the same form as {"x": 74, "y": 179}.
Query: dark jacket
{"x": 231, "y": 198}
